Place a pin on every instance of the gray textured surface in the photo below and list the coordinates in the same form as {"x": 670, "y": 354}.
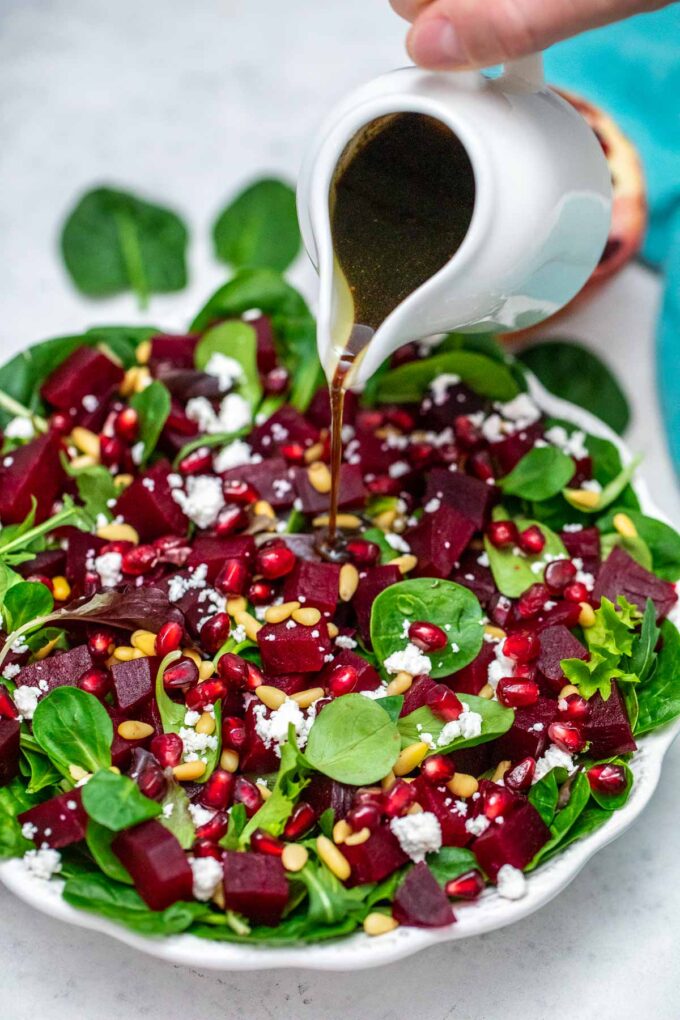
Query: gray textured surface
{"x": 184, "y": 101}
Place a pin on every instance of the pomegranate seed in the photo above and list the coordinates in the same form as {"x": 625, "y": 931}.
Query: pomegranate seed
{"x": 502, "y": 533}
{"x": 232, "y": 578}
{"x": 116, "y": 547}
{"x": 207, "y": 693}
{"x": 61, "y": 422}
{"x": 521, "y": 646}
{"x": 401, "y": 419}
{"x": 294, "y": 453}
{"x": 533, "y": 601}
{"x": 230, "y": 519}
{"x": 369, "y": 420}
{"x": 526, "y": 670}
{"x": 148, "y": 775}
{"x": 301, "y": 820}
{"x": 169, "y": 638}
{"x": 438, "y": 769}
{"x": 608, "y": 779}
{"x": 8, "y": 709}
{"x": 567, "y": 613}
{"x": 215, "y": 828}
{"x": 567, "y": 736}
{"x": 167, "y": 749}
{"x": 139, "y": 560}
{"x": 497, "y": 802}
{"x": 558, "y": 574}
{"x": 274, "y": 561}
{"x": 180, "y": 674}
{"x": 467, "y": 435}
{"x": 264, "y": 843}
{"x": 444, "y": 702}
{"x": 41, "y": 579}
{"x": 172, "y": 549}
{"x": 233, "y": 733}
{"x": 111, "y": 450}
{"x": 218, "y": 790}
{"x": 399, "y": 798}
{"x": 362, "y": 552}
{"x": 449, "y": 453}
{"x": 206, "y": 848}
{"x": 198, "y": 462}
{"x": 247, "y": 793}
{"x": 342, "y": 680}
{"x": 239, "y": 492}
{"x": 95, "y": 681}
{"x": 576, "y": 592}
{"x": 254, "y": 677}
{"x": 427, "y": 636}
{"x": 481, "y": 466}
{"x": 215, "y": 632}
{"x": 500, "y": 609}
{"x": 532, "y": 540}
{"x": 100, "y": 644}
{"x": 421, "y": 455}
{"x": 177, "y": 421}
{"x": 383, "y": 485}
{"x": 261, "y": 592}
{"x": 468, "y": 886}
{"x": 126, "y": 425}
{"x": 233, "y": 669}
{"x": 515, "y": 693}
{"x": 370, "y": 797}
{"x": 573, "y": 707}
{"x": 276, "y": 381}
{"x": 364, "y": 816}
{"x": 519, "y": 778}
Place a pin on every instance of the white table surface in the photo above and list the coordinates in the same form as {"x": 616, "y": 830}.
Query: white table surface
{"x": 184, "y": 100}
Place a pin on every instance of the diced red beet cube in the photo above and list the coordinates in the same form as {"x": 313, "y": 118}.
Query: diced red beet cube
{"x": 420, "y": 901}
{"x": 62, "y": 670}
{"x": 607, "y": 726}
{"x": 319, "y": 411}
{"x": 48, "y": 563}
{"x": 375, "y": 859}
{"x": 80, "y": 550}
{"x": 214, "y": 551}
{"x": 150, "y": 508}
{"x": 296, "y": 649}
{"x": 285, "y": 426}
{"x": 323, "y": 793}
{"x": 371, "y": 583}
{"x": 121, "y": 749}
{"x": 528, "y": 735}
{"x": 459, "y": 399}
{"x": 620, "y": 574}
{"x": 416, "y": 695}
{"x": 158, "y": 865}
{"x": 438, "y": 541}
{"x": 10, "y": 730}
{"x": 186, "y": 383}
{"x": 515, "y": 842}
{"x": 584, "y": 545}
{"x": 471, "y": 678}
{"x": 255, "y": 885}
{"x": 175, "y": 350}
{"x": 509, "y": 451}
{"x": 31, "y": 472}
{"x": 271, "y": 478}
{"x": 558, "y": 643}
{"x": 368, "y": 678}
{"x": 134, "y": 681}
{"x": 469, "y": 496}
{"x": 442, "y": 803}
{"x": 256, "y": 756}
{"x": 86, "y": 371}
{"x": 289, "y": 683}
{"x": 372, "y": 454}
{"x": 317, "y": 583}
{"x": 59, "y": 821}
{"x": 474, "y": 575}
{"x": 352, "y": 491}
{"x": 473, "y": 761}
{"x": 266, "y": 349}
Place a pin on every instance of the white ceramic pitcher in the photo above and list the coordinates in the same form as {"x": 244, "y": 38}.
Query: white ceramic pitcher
{"x": 540, "y": 218}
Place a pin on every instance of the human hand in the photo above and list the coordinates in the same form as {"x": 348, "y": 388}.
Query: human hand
{"x": 453, "y": 34}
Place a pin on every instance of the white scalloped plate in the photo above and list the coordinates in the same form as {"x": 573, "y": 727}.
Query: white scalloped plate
{"x": 359, "y": 951}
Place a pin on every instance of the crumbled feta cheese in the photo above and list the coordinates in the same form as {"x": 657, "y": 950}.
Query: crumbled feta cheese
{"x": 468, "y": 725}
{"x": 226, "y": 370}
{"x": 397, "y": 543}
{"x": 432, "y": 505}
{"x": 521, "y": 409}
{"x": 591, "y": 485}
{"x": 511, "y": 883}
{"x": 483, "y": 560}
{"x": 492, "y": 428}
{"x": 398, "y": 469}
{"x": 179, "y": 586}
{"x": 137, "y": 452}
{"x": 20, "y": 428}
{"x": 410, "y": 660}
{"x": 342, "y": 641}
{"x": 234, "y": 414}
{"x": 196, "y": 744}
{"x": 11, "y": 670}
{"x": 26, "y": 700}
{"x": 108, "y": 567}
{"x": 202, "y": 500}
{"x": 439, "y": 387}
{"x": 477, "y": 825}
{"x": 191, "y": 717}
{"x": 418, "y": 835}
{"x": 168, "y": 809}
{"x": 553, "y": 758}
{"x": 272, "y": 727}
{"x": 90, "y": 402}
{"x": 28, "y": 830}
{"x": 200, "y": 815}
{"x": 573, "y": 445}
{"x": 207, "y": 874}
{"x": 499, "y": 667}
{"x": 234, "y": 455}
{"x": 572, "y": 527}
{"x": 43, "y": 863}
{"x": 380, "y": 692}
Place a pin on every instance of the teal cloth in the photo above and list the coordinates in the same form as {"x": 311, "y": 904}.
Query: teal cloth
{"x": 632, "y": 69}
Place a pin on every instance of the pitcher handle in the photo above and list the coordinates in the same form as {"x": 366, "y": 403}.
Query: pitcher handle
{"x": 527, "y": 69}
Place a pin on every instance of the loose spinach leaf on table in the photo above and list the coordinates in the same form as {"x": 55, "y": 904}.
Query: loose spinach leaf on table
{"x": 101, "y": 895}
{"x": 259, "y": 228}
{"x": 117, "y": 802}
{"x": 152, "y": 404}
{"x": 661, "y": 539}
{"x": 408, "y": 383}
{"x": 73, "y": 728}
{"x": 659, "y": 696}
{"x": 496, "y": 720}
{"x": 236, "y": 340}
{"x": 113, "y": 241}
{"x": 448, "y": 605}
{"x": 353, "y": 741}
{"x": 539, "y": 475}
{"x": 514, "y": 572}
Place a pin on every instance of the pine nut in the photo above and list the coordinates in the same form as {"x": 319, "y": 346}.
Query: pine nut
{"x": 462, "y": 785}
{"x": 86, "y": 441}
{"x": 206, "y": 724}
{"x": 385, "y": 520}
{"x": 415, "y": 809}
{"x": 341, "y": 830}
{"x": 114, "y": 769}
{"x": 567, "y": 690}
{"x": 405, "y": 564}
{"x": 294, "y": 856}
{"x": 587, "y": 615}
{"x": 77, "y": 773}
{"x": 347, "y": 522}
{"x": 143, "y": 352}
{"x": 500, "y": 770}
{"x": 237, "y": 605}
{"x": 584, "y": 498}
{"x": 410, "y": 758}
{"x": 308, "y": 616}
{"x": 313, "y": 453}
{"x": 188, "y": 771}
{"x": 624, "y": 526}
{"x": 229, "y": 760}
{"x": 494, "y": 632}
{"x": 191, "y": 653}
{"x": 388, "y": 781}
{"x": 335, "y": 861}
{"x": 349, "y": 581}
{"x": 249, "y": 624}
{"x": 131, "y": 729}
{"x": 218, "y": 897}
{"x": 357, "y": 838}
{"x": 135, "y": 380}
{"x": 487, "y": 692}
{"x": 379, "y": 924}
{"x": 306, "y": 698}
{"x": 122, "y": 481}
{"x": 83, "y": 461}
{"x": 264, "y": 509}
{"x": 118, "y": 533}
{"x": 319, "y": 477}
{"x": 272, "y": 697}
{"x": 43, "y": 652}
{"x": 206, "y": 669}
{"x": 145, "y": 641}
{"x": 125, "y": 653}
{"x": 332, "y": 630}
{"x": 277, "y": 614}
{"x": 265, "y": 792}
{"x": 400, "y": 684}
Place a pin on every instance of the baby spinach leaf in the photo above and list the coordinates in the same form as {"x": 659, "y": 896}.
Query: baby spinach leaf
{"x": 99, "y": 839}
{"x": 579, "y": 795}
{"x": 13, "y": 800}
{"x": 661, "y": 539}
{"x": 512, "y": 571}
{"x": 496, "y": 720}
{"x": 291, "y": 780}
{"x": 113, "y": 241}
{"x": 73, "y": 728}
{"x": 259, "y": 228}
{"x": 236, "y": 340}
{"x": 544, "y": 796}
{"x": 117, "y": 802}
{"x": 387, "y": 553}
{"x": 450, "y": 606}
{"x": 611, "y": 491}
{"x": 612, "y": 802}
{"x": 540, "y": 474}
{"x": 101, "y": 895}
{"x": 450, "y": 862}
{"x": 175, "y": 815}
{"x": 152, "y": 404}
{"x": 659, "y": 696}
{"x": 329, "y": 900}
{"x": 121, "y": 341}
{"x": 39, "y": 770}
{"x": 571, "y": 371}
{"x": 26, "y": 601}
{"x": 635, "y": 546}
{"x": 392, "y": 705}
{"x": 353, "y": 741}
{"x": 408, "y": 383}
